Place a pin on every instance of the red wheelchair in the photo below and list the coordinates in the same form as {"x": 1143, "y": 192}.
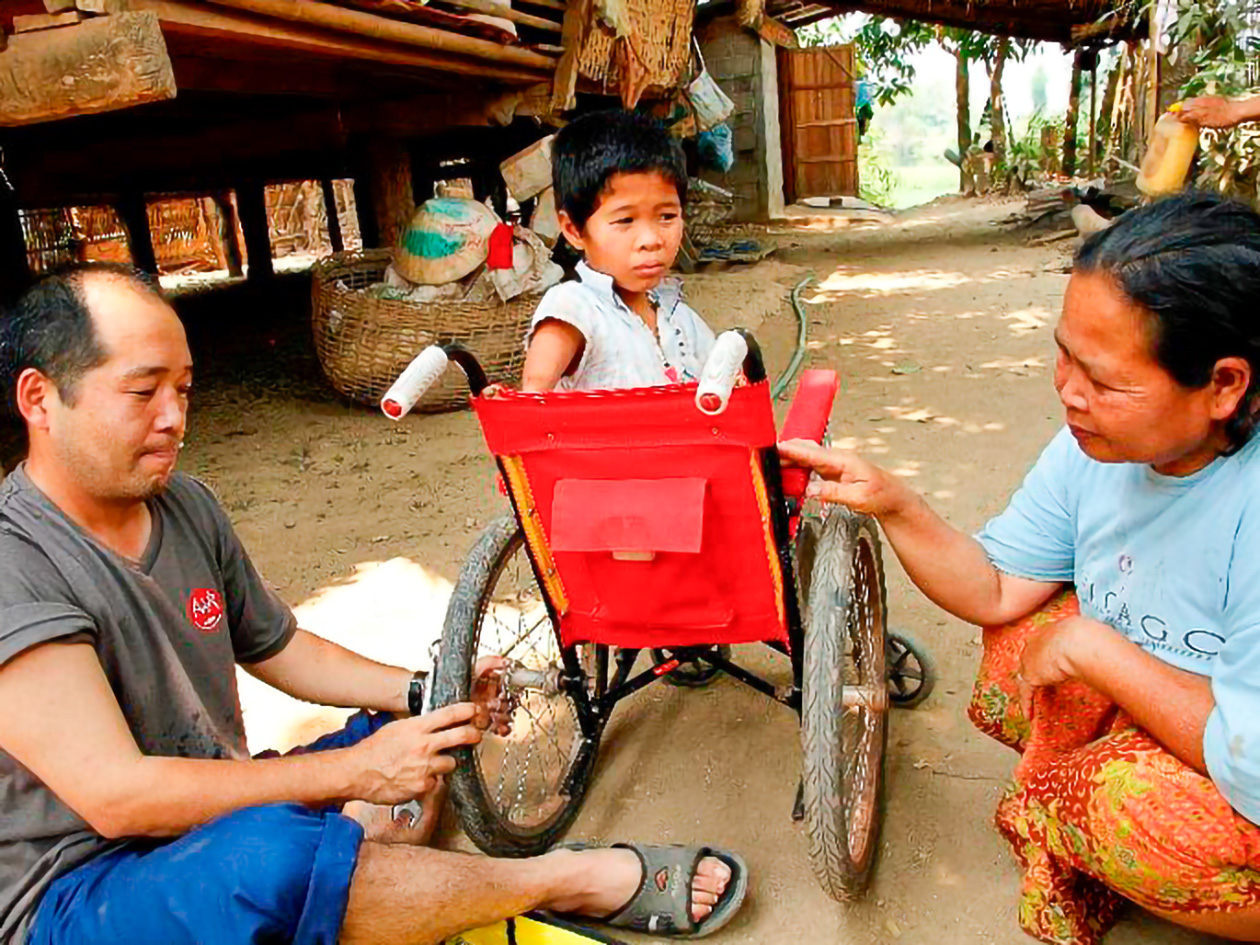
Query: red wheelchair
{"x": 652, "y": 530}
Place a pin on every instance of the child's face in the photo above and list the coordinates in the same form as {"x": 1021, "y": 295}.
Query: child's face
{"x": 634, "y": 233}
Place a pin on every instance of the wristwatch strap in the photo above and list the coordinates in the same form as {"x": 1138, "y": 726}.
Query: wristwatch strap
{"x": 415, "y": 692}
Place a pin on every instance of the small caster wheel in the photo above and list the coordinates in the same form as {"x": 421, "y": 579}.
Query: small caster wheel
{"x": 911, "y": 672}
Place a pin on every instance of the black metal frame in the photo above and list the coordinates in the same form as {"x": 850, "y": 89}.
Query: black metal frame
{"x": 593, "y": 713}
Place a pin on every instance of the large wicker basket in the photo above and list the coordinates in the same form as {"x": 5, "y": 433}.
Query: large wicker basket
{"x": 364, "y": 343}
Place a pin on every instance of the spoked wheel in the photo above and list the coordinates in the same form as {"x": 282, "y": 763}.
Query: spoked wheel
{"x": 911, "y": 672}
{"x": 515, "y": 794}
{"x": 844, "y": 717}
{"x": 693, "y": 672}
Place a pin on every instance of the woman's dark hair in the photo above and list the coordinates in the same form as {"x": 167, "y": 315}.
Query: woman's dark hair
{"x": 50, "y": 329}
{"x": 1193, "y": 263}
{"x": 590, "y": 150}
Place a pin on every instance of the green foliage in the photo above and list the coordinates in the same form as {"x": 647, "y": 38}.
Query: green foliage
{"x": 877, "y": 182}
{"x": 1220, "y": 38}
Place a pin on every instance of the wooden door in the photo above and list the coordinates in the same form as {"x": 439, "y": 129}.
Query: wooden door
{"x": 817, "y": 114}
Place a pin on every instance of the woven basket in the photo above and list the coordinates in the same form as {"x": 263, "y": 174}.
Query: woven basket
{"x": 364, "y": 343}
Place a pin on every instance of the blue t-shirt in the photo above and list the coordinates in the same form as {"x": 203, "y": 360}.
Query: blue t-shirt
{"x": 1172, "y": 563}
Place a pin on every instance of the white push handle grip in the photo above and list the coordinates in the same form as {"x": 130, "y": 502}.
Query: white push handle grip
{"x": 420, "y": 375}
{"x": 720, "y": 373}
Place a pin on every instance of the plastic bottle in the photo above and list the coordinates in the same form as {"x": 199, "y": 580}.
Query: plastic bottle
{"x": 1167, "y": 161}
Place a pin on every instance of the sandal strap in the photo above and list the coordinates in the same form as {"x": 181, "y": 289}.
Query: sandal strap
{"x": 662, "y": 905}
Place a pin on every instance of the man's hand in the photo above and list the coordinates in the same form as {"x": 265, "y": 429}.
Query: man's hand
{"x": 1054, "y": 655}
{"x": 1210, "y": 111}
{"x": 847, "y": 479}
{"x": 404, "y": 760}
{"x": 492, "y": 713}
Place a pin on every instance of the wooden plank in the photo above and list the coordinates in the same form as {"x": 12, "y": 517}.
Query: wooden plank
{"x": 99, "y": 65}
{"x": 200, "y": 21}
{"x": 547, "y": 4}
{"x": 229, "y": 233}
{"x": 356, "y": 22}
{"x": 774, "y": 31}
{"x": 335, "y": 238}
{"x": 45, "y": 21}
{"x": 101, "y": 7}
{"x": 58, "y": 6}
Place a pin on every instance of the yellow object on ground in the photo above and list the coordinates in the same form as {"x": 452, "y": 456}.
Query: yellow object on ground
{"x": 531, "y": 930}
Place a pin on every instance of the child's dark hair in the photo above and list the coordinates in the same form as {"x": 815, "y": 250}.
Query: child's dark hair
{"x": 589, "y": 151}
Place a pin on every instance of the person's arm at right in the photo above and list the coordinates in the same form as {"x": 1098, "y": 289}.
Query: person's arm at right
{"x": 951, "y": 568}
{"x": 555, "y": 348}
{"x": 60, "y": 719}
{"x": 1212, "y": 111}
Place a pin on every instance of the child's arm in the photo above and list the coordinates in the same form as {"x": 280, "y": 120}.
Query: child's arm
{"x": 554, "y": 350}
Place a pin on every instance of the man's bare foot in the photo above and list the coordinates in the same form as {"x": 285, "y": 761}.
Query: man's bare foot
{"x": 601, "y": 882}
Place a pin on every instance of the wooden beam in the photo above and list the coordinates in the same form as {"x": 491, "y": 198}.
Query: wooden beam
{"x": 343, "y": 20}
{"x": 45, "y": 21}
{"x": 506, "y": 13}
{"x": 58, "y": 6}
{"x": 220, "y": 25}
{"x": 99, "y": 65}
{"x": 773, "y": 31}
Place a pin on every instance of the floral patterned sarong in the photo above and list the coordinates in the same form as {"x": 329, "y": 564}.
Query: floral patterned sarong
{"x": 1098, "y": 810}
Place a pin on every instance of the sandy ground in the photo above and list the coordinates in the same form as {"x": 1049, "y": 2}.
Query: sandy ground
{"x": 940, "y": 323}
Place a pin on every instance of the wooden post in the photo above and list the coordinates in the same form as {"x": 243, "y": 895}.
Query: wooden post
{"x": 14, "y": 266}
{"x": 335, "y": 238}
{"x": 228, "y": 236}
{"x": 251, "y": 201}
{"x": 962, "y": 99}
{"x": 393, "y": 200}
{"x": 133, "y": 210}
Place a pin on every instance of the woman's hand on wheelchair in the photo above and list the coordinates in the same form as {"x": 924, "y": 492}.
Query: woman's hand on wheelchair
{"x": 406, "y": 759}
{"x": 846, "y": 479}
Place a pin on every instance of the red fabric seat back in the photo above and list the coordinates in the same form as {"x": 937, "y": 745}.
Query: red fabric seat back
{"x": 649, "y": 520}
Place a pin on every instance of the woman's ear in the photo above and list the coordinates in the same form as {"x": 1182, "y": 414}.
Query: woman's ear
{"x": 571, "y": 231}
{"x": 1230, "y": 379}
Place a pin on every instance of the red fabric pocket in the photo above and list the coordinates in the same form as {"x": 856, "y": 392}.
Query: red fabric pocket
{"x": 635, "y": 515}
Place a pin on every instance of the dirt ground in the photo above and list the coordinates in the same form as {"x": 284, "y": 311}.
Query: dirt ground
{"x": 940, "y": 324}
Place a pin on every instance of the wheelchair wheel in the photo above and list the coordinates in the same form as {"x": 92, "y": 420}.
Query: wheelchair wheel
{"x": 911, "y": 671}
{"x": 516, "y": 794}
{"x": 844, "y": 716}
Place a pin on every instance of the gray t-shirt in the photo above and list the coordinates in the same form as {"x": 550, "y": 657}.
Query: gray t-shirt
{"x": 168, "y": 630}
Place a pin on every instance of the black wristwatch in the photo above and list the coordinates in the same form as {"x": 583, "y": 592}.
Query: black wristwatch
{"x": 415, "y": 692}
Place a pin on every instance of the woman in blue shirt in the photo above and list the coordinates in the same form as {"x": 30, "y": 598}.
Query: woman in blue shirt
{"x": 1120, "y": 589}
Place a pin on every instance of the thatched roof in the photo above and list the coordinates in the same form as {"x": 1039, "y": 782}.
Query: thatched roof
{"x": 1063, "y": 21}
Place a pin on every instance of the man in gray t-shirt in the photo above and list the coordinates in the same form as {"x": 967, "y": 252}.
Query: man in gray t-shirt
{"x": 129, "y": 807}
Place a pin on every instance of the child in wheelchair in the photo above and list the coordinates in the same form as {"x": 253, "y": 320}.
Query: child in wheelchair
{"x": 620, "y": 183}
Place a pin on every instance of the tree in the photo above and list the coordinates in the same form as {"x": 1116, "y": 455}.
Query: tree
{"x": 1073, "y": 113}
{"x": 996, "y": 105}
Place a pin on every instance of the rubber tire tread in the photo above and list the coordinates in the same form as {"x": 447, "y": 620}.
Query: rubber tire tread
{"x": 831, "y": 588}
{"x": 451, "y": 683}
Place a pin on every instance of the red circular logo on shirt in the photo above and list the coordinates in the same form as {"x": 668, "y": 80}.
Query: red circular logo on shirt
{"x": 205, "y": 609}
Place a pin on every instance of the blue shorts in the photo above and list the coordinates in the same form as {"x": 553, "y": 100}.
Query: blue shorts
{"x": 270, "y": 874}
